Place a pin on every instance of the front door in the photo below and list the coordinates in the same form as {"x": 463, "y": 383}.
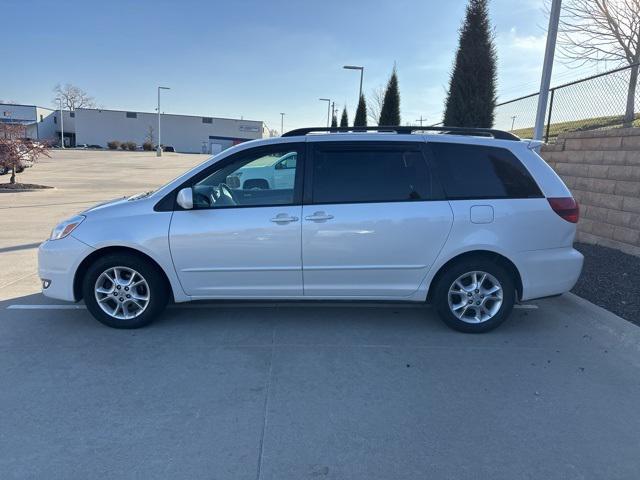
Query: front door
{"x": 240, "y": 243}
{"x": 372, "y": 225}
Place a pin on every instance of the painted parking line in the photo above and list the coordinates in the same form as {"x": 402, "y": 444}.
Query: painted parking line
{"x": 245, "y": 305}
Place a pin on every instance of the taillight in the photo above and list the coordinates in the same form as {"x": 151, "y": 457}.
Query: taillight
{"x": 566, "y": 207}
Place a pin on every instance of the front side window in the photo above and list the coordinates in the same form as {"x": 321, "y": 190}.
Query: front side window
{"x": 259, "y": 179}
{"x": 370, "y": 175}
{"x": 479, "y": 172}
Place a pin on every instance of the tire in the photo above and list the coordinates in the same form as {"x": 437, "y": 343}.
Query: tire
{"x": 472, "y": 320}
{"x": 146, "y": 301}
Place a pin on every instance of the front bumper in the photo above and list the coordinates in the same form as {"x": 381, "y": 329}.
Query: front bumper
{"x": 58, "y": 261}
{"x": 549, "y": 272}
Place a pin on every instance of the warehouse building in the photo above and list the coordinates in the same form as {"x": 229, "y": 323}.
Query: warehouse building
{"x": 185, "y": 133}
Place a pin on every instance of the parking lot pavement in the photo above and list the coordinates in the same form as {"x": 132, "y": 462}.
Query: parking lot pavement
{"x": 283, "y": 390}
{"x": 274, "y": 391}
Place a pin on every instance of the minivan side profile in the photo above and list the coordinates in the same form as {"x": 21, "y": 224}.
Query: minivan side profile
{"x": 470, "y": 220}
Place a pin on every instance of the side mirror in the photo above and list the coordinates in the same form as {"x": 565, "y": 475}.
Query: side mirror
{"x": 185, "y": 198}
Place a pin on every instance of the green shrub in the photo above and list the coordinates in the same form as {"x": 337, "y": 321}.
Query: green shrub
{"x": 131, "y": 146}
{"x": 147, "y": 146}
{"x": 113, "y": 145}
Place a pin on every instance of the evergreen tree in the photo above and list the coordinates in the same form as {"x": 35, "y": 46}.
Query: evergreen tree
{"x": 344, "y": 120}
{"x": 390, "y": 112}
{"x": 471, "y": 99}
{"x": 360, "y": 119}
{"x": 334, "y": 120}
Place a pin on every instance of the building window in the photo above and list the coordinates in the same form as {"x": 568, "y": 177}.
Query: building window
{"x": 41, "y": 118}
{"x": 207, "y": 120}
{"x": 55, "y": 119}
{"x": 132, "y": 115}
{"x": 72, "y": 114}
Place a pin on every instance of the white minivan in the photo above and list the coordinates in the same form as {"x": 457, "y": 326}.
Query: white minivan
{"x": 470, "y": 220}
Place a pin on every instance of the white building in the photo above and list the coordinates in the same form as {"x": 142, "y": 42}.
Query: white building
{"x": 185, "y": 133}
{"x": 40, "y": 123}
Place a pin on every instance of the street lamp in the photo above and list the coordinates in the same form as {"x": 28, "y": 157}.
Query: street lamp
{"x": 328, "y": 100}
{"x": 159, "y": 150}
{"x": 61, "y": 124}
{"x": 281, "y": 123}
{"x": 354, "y": 67}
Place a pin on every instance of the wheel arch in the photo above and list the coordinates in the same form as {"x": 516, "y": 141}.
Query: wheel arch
{"x": 500, "y": 259}
{"x": 89, "y": 259}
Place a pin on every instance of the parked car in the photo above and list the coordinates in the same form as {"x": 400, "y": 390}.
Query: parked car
{"x": 168, "y": 148}
{"x": 470, "y": 220}
{"x": 82, "y": 146}
{"x": 274, "y": 173}
{"x": 95, "y": 146}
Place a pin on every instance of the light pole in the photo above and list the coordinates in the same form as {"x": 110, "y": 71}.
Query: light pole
{"x": 355, "y": 67}
{"x": 281, "y": 123}
{"x": 61, "y": 124}
{"x": 513, "y": 121}
{"x": 552, "y": 34}
{"x": 159, "y": 150}
{"x": 328, "y": 100}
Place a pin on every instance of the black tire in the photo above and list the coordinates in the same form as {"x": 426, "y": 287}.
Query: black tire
{"x": 157, "y": 286}
{"x": 440, "y": 297}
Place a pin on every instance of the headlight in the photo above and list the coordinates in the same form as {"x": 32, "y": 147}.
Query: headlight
{"x": 66, "y": 227}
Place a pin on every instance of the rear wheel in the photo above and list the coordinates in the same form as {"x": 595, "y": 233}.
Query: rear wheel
{"x": 474, "y": 295}
{"x": 124, "y": 291}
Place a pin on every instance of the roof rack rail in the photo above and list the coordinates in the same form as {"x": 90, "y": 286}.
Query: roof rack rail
{"x": 483, "y": 132}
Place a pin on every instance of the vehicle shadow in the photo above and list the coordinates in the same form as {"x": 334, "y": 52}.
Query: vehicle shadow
{"x": 277, "y": 322}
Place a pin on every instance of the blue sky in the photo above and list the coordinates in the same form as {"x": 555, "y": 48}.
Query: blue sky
{"x": 258, "y": 58}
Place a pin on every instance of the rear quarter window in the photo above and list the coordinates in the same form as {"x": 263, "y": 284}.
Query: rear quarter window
{"x": 481, "y": 172}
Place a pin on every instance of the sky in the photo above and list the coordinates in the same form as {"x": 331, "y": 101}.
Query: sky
{"x": 255, "y": 59}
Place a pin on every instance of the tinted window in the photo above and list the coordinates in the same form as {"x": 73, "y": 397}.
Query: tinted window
{"x": 369, "y": 175}
{"x": 471, "y": 171}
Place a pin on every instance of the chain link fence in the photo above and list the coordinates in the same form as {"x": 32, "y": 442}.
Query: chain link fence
{"x": 596, "y": 102}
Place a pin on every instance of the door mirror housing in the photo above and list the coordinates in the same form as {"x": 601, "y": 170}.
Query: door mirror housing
{"x": 185, "y": 198}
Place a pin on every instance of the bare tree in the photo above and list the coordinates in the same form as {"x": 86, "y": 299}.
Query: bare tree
{"x": 374, "y": 104}
{"x": 16, "y": 150}
{"x": 596, "y": 30}
{"x": 72, "y": 97}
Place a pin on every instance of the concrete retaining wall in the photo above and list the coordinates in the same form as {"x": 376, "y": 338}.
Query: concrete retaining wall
{"x": 602, "y": 169}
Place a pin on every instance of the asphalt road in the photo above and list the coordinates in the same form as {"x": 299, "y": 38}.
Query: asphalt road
{"x": 290, "y": 391}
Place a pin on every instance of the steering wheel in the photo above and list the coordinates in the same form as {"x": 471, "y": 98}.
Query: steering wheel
{"x": 228, "y": 193}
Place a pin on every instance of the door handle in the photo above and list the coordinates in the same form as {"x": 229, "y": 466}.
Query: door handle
{"x": 284, "y": 218}
{"x": 319, "y": 217}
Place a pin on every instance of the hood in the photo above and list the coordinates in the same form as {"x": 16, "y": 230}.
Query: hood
{"x": 116, "y": 201}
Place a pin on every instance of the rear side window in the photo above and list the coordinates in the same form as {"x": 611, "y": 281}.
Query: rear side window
{"x": 370, "y": 175}
{"x": 476, "y": 172}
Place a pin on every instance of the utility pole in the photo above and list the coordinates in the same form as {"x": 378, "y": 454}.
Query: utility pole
{"x": 421, "y": 119}
{"x": 281, "y": 123}
{"x": 328, "y": 109}
{"x": 513, "y": 121}
{"x": 159, "y": 149}
{"x": 552, "y": 34}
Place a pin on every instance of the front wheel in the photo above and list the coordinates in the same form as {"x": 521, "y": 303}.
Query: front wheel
{"x": 124, "y": 291}
{"x": 474, "y": 295}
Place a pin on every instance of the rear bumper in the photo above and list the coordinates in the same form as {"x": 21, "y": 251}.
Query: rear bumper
{"x": 58, "y": 261}
{"x": 549, "y": 272}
